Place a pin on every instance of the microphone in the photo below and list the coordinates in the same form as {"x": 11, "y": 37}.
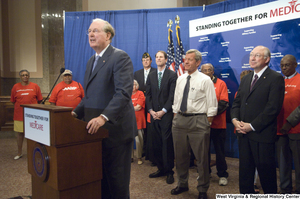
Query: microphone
{"x": 61, "y": 71}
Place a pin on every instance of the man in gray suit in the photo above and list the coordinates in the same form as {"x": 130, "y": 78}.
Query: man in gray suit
{"x": 108, "y": 84}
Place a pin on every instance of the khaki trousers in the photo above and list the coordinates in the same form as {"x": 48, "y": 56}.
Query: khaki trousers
{"x": 191, "y": 132}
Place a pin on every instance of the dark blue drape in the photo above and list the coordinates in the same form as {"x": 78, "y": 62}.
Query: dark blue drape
{"x": 139, "y": 31}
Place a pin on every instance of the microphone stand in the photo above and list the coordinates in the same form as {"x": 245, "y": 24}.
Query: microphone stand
{"x": 61, "y": 71}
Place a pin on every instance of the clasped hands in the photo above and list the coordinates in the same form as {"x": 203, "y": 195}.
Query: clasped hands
{"x": 241, "y": 127}
{"x": 157, "y": 115}
{"x": 286, "y": 128}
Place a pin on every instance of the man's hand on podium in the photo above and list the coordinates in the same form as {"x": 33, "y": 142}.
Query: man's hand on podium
{"x": 74, "y": 114}
{"x": 95, "y": 123}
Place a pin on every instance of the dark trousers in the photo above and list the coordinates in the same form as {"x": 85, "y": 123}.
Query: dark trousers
{"x": 149, "y": 139}
{"x": 116, "y": 171}
{"x": 288, "y": 149}
{"x": 262, "y": 156}
{"x": 162, "y": 145}
{"x": 218, "y": 136}
{"x": 285, "y": 164}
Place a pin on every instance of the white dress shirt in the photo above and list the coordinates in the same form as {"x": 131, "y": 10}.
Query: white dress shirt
{"x": 202, "y": 96}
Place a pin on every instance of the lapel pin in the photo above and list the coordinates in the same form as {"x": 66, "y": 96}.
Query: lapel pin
{"x": 103, "y": 61}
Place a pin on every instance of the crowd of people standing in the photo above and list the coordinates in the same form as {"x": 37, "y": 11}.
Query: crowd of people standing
{"x": 184, "y": 114}
{"x": 265, "y": 101}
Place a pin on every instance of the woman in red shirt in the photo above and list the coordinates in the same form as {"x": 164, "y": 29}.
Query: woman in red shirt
{"x": 138, "y": 101}
{"x": 25, "y": 92}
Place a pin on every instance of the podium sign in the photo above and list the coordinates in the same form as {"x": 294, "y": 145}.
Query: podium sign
{"x": 36, "y": 125}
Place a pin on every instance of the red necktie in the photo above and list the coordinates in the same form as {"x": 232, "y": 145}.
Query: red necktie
{"x": 254, "y": 81}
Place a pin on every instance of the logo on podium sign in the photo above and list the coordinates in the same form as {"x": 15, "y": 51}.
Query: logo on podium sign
{"x": 40, "y": 162}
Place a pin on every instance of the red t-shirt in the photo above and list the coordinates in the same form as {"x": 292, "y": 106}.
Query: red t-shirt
{"x": 290, "y": 103}
{"x": 139, "y": 98}
{"x": 219, "y": 121}
{"x": 68, "y": 95}
{"x": 29, "y": 94}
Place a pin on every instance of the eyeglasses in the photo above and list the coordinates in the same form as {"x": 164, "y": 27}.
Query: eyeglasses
{"x": 206, "y": 70}
{"x": 255, "y": 55}
{"x": 25, "y": 75}
{"x": 94, "y": 31}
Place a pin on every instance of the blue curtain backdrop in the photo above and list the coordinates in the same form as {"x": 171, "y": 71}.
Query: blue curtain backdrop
{"x": 139, "y": 31}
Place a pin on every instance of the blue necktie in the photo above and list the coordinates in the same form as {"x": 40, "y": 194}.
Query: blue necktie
{"x": 95, "y": 63}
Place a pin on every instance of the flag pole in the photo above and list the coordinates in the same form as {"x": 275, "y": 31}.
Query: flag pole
{"x": 170, "y": 51}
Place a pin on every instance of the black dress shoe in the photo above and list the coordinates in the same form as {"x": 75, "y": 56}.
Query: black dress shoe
{"x": 202, "y": 195}
{"x": 170, "y": 179}
{"x": 179, "y": 190}
{"x": 156, "y": 174}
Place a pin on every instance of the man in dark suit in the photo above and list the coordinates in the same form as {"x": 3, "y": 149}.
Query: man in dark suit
{"x": 141, "y": 75}
{"x": 254, "y": 114}
{"x": 108, "y": 84}
{"x": 159, "y": 99}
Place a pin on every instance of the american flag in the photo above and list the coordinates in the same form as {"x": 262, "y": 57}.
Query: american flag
{"x": 170, "y": 52}
{"x": 179, "y": 59}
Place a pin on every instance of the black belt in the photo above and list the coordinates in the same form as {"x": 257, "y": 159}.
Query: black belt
{"x": 190, "y": 114}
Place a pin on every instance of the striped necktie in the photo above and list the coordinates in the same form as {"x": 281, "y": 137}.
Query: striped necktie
{"x": 254, "y": 81}
{"x": 159, "y": 79}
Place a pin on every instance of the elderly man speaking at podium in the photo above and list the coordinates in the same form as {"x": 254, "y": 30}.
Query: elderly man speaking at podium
{"x": 108, "y": 84}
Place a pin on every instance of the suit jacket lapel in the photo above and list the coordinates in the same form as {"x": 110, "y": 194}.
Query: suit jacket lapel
{"x": 164, "y": 79}
{"x": 156, "y": 80}
{"x": 260, "y": 80}
{"x": 88, "y": 74}
{"x": 101, "y": 62}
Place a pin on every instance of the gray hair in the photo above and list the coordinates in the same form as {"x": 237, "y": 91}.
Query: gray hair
{"x": 137, "y": 84}
{"x": 107, "y": 27}
{"x": 198, "y": 56}
{"x": 208, "y": 64}
{"x": 24, "y": 70}
{"x": 267, "y": 53}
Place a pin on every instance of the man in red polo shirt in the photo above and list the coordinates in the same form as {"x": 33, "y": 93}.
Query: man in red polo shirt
{"x": 218, "y": 126}
{"x": 288, "y": 128}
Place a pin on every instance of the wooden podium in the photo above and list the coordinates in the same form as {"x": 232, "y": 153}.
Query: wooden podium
{"x": 68, "y": 165}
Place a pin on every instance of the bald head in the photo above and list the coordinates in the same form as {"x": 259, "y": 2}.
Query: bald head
{"x": 288, "y": 65}
{"x": 208, "y": 69}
